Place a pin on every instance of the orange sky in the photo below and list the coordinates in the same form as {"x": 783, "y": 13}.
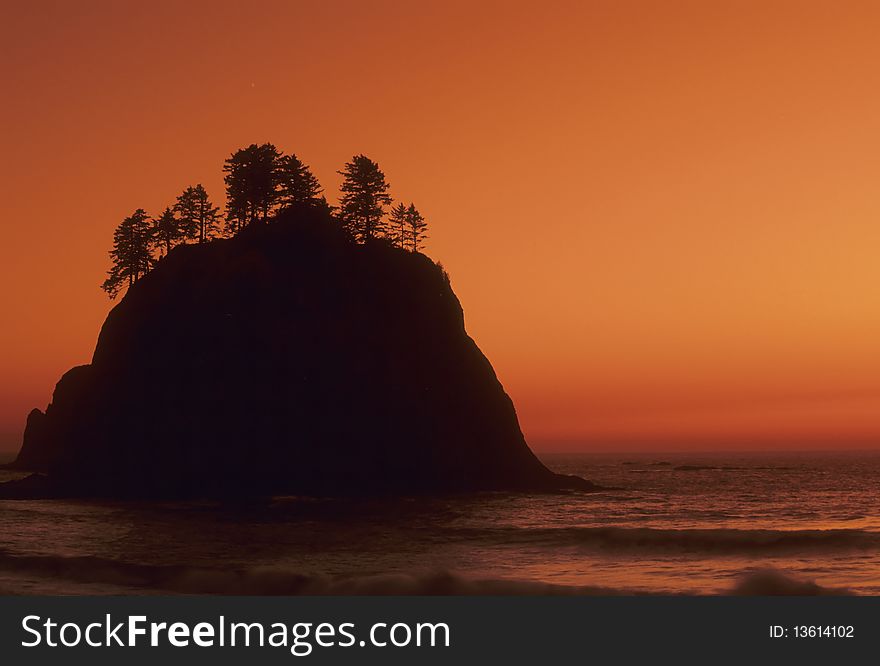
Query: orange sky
{"x": 662, "y": 218}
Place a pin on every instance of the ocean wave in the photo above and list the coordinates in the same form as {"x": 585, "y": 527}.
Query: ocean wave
{"x": 733, "y": 468}
{"x": 704, "y": 541}
{"x": 774, "y": 583}
{"x": 269, "y": 580}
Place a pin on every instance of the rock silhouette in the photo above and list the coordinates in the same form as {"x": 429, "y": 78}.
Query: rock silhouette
{"x": 286, "y": 360}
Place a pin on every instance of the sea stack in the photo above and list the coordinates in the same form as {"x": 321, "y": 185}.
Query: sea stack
{"x": 286, "y": 360}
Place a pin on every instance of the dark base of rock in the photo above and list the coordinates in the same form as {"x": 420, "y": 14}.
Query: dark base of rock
{"x": 41, "y": 487}
{"x": 35, "y": 486}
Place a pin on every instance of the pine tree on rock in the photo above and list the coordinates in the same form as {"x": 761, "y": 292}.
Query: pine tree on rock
{"x": 417, "y": 229}
{"x": 251, "y": 185}
{"x": 167, "y": 232}
{"x": 199, "y": 219}
{"x": 364, "y": 197}
{"x": 131, "y": 254}
{"x": 398, "y": 226}
{"x": 296, "y": 183}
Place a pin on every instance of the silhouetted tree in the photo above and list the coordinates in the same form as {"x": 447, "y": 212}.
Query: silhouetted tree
{"x": 167, "y": 232}
{"x": 416, "y": 229}
{"x": 364, "y": 197}
{"x": 398, "y": 226}
{"x": 131, "y": 255}
{"x": 296, "y": 183}
{"x": 198, "y": 218}
{"x": 251, "y": 185}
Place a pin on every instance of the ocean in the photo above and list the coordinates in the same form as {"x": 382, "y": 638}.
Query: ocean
{"x": 670, "y": 524}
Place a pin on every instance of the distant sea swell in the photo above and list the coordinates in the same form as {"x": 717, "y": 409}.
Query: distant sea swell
{"x": 268, "y": 580}
{"x": 702, "y": 541}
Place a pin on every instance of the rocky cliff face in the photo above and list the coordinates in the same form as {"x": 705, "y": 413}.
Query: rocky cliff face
{"x": 285, "y": 360}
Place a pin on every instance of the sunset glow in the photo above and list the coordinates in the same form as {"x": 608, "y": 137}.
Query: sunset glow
{"x": 662, "y": 219}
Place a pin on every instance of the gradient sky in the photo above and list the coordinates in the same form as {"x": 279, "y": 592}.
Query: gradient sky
{"x": 662, "y": 218}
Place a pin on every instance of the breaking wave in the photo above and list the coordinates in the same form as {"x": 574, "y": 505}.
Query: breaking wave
{"x": 267, "y": 580}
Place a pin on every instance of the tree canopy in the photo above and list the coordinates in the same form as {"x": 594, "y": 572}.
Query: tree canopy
{"x": 398, "y": 225}
{"x": 364, "y": 197}
{"x": 416, "y": 229}
{"x": 199, "y": 219}
{"x": 261, "y": 181}
{"x": 167, "y": 231}
{"x": 296, "y": 183}
{"x": 251, "y": 185}
{"x": 131, "y": 255}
